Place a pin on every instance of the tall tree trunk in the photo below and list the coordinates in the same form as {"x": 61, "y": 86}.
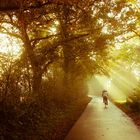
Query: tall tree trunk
{"x": 36, "y": 69}
{"x": 37, "y": 79}
{"x": 72, "y": 87}
{"x": 67, "y": 49}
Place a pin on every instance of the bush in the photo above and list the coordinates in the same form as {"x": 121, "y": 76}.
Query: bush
{"x": 38, "y": 120}
{"x": 133, "y": 101}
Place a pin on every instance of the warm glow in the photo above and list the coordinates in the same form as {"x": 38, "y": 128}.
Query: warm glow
{"x": 119, "y": 84}
{"x": 10, "y": 46}
{"x": 56, "y": 22}
{"x": 53, "y": 30}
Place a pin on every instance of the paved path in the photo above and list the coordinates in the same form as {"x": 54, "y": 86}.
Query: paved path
{"x": 98, "y": 123}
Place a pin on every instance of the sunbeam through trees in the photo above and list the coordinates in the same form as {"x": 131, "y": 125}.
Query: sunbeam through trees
{"x": 50, "y": 50}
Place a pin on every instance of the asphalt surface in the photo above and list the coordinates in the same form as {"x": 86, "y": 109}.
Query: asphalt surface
{"x": 99, "y": 123}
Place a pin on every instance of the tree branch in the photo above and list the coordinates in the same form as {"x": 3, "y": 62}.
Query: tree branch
{"x": 46, "y": 65}
{"x": 75, "y": 37}
{"x": 136, "y": 33}
{"x": 43, "y": 38}
{"x": 9, "y": 33}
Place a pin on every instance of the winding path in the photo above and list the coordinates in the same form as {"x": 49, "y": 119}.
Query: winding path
{"x": 98, "y": 123}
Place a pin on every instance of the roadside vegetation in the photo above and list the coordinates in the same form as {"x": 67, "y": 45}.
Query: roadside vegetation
{"x": 132, "y": 106}
{"x": 49, "y": 49}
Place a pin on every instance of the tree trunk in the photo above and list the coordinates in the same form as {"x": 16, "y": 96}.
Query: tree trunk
{"x": 36, "y": 69}
{"x": 67, "y": 49}
{"x": 36, "y": 83}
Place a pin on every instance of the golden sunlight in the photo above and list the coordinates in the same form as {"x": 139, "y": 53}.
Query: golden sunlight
{"x": 119, "y": 84}
{"x": 53, "y": 30}
{"x": 10, "y": 46}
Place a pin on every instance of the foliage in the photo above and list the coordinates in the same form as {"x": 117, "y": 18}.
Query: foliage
{"x": 64, "y": 43}
{"x": 36, "y": 121}
{"x": 133, "y": 101}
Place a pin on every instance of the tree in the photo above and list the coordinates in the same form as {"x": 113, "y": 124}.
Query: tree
{"x": 23, "y": 23}
{"x": 99, "y": 24}
{"x": 93, "y": 23}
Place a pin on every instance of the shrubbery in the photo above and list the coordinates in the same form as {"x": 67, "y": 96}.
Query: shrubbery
{"x": 38, "y": 121}
{"x": 133, "y": 101}
{"x": 47, "y": 115}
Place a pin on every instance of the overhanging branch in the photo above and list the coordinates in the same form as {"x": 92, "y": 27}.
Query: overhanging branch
{"x": 136, "y": 33}
{"x": 43, "y": 38}
{"x": 75, "y": 37}
{"x": 5, "y": 31}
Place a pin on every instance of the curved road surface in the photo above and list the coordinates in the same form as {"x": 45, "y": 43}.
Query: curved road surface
{"x": 98, "y": 123}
